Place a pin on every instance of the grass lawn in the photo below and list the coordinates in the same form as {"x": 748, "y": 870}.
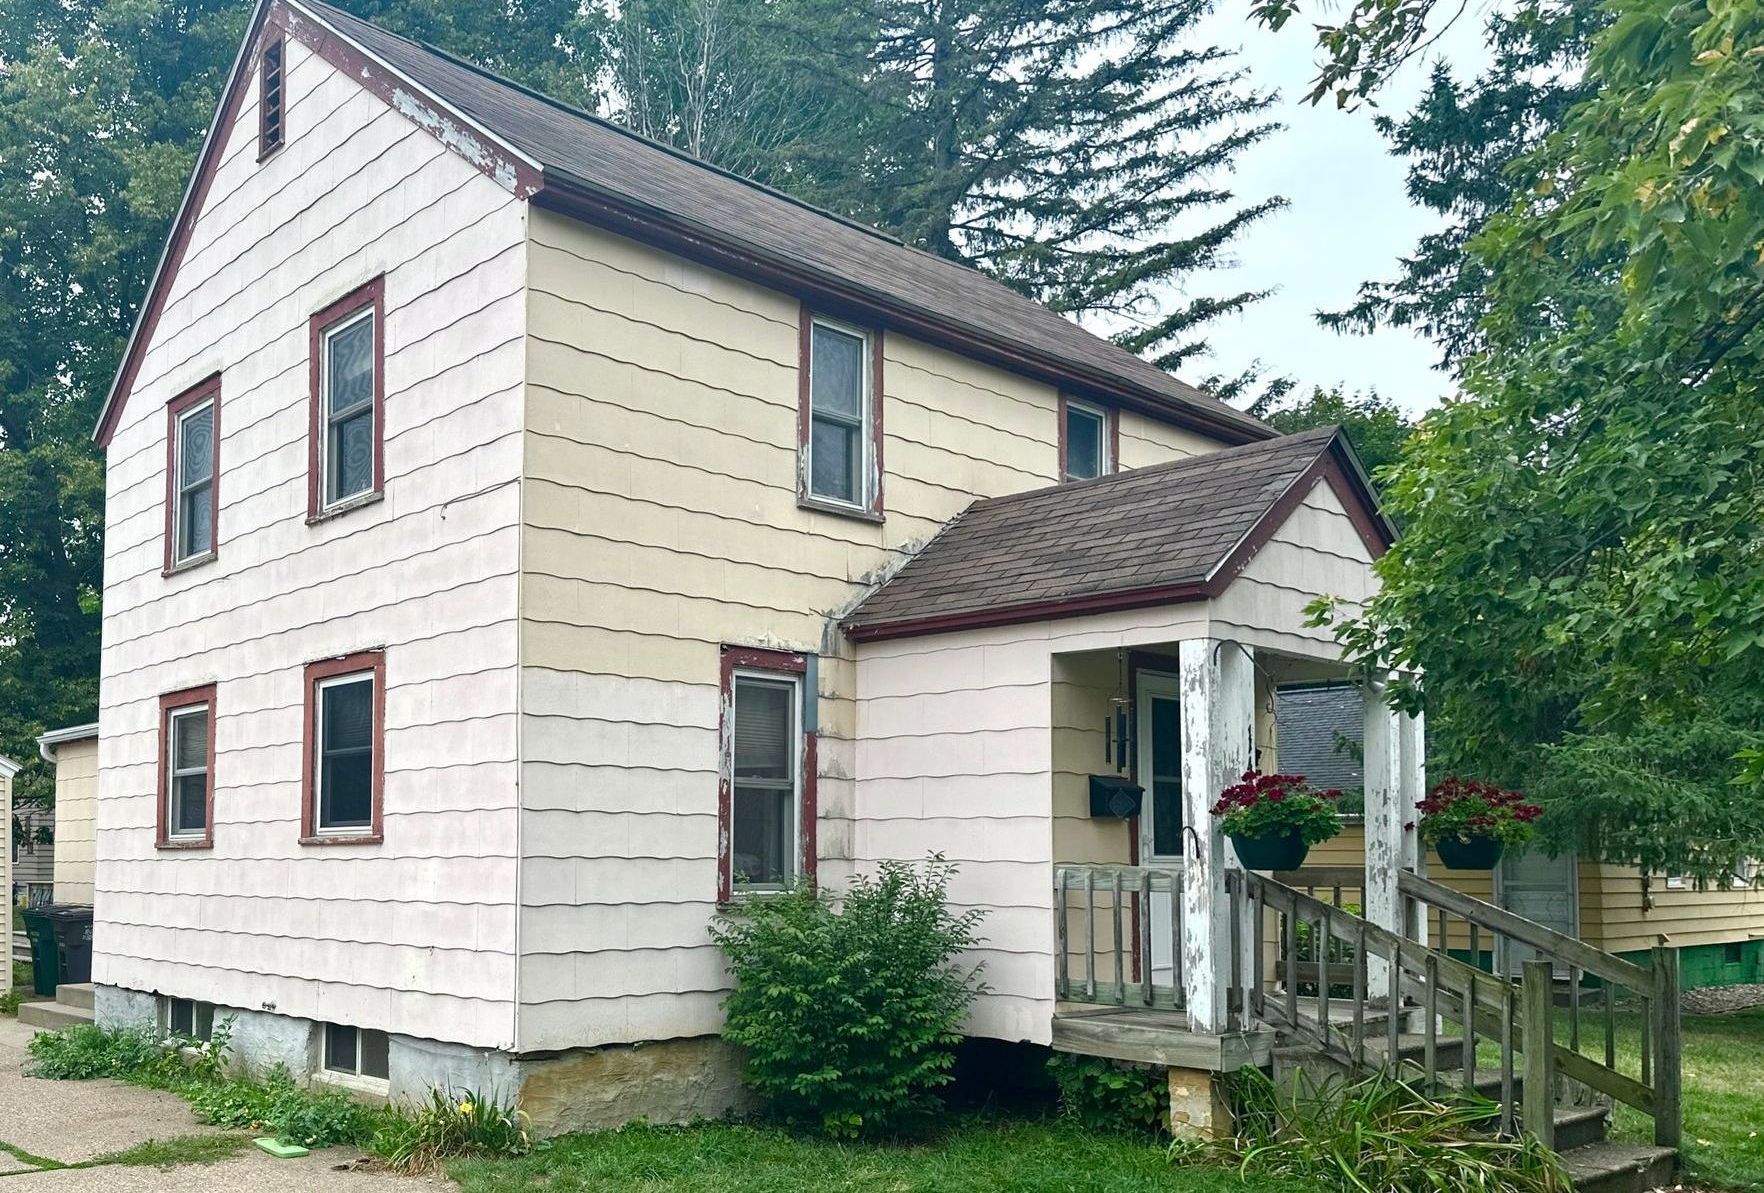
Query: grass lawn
{"x": 977, "y": 1156}
{"x": 1723, "y": 1097}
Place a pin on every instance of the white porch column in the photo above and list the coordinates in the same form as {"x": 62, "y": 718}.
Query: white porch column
{"x": 1218, "y": 722}
{"x": 1395, "y": 782}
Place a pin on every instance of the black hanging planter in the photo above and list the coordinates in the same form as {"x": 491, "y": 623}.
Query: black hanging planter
{"x": 1475, "y": 853}
{"x": 1271, "y": 851}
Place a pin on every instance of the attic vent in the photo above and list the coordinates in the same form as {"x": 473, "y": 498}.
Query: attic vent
{"x": 269, "y": 135}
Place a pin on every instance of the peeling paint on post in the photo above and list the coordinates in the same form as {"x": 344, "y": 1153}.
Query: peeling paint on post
{"x": 1395, "y": 778}
{"x": 1218, "y": 721}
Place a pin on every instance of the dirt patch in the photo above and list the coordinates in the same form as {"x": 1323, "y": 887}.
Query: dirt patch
{"x": 1718, "y": 1000}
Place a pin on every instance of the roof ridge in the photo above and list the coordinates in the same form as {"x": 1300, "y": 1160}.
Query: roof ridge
{"x": 607, "y": 123}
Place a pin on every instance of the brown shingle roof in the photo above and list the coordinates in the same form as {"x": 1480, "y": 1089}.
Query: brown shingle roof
{"x": 1171, "y": 532}
{"x": 655, "y": 185}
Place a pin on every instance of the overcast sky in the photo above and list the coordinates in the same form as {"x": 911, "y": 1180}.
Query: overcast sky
{"x": 1349, "y": 221}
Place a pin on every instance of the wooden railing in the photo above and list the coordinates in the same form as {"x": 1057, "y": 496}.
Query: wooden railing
{"x": 1390, "y": 980}
{"x": 1104, "y": 922}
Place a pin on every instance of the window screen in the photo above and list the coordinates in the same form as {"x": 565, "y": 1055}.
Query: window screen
{"x": 346, "y": 753}
{"x": 1086, "y": 443}
{"x": 187, "y": 777}
{"x": 349, "y": 409}
{"x": 766, "y": 750}
{"x": 838, "y": 381}
{"x": 195, "y": 482}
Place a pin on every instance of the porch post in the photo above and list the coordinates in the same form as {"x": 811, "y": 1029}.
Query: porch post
{"x": 1395, "y": 780}
{"x": 1218, "y": 721}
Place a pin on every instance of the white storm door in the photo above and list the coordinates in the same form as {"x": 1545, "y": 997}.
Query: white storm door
{"x": 1544, "y": 890}
{"x": 1159, "y": 770}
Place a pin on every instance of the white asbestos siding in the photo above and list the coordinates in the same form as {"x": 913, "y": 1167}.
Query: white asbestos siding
{"x": 1143, "y": 441}
{"x": 660, "y": 523}
{"x": 955, "y": 756}
{"x": 76, "y": 819}
{"x": 416, "y": 935}
{"x": 1315, "y": 552}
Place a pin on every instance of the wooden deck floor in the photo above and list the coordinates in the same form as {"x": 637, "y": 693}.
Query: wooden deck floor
{"x": 1155, "y": 1037}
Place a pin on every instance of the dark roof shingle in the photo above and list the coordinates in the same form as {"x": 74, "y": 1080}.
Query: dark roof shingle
{"x": 577, "y": 149}
{"x": 1146, "y": 536}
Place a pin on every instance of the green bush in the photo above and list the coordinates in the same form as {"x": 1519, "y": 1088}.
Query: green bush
{"x": 86, "y": 1051}
{"x": 1108, "y": 1095}
{"x": 851, "y": 1012}
{"x": 451, "y": 1125}
{"x": 1375, "y": 1135}
{"x": 280, "y": 1106}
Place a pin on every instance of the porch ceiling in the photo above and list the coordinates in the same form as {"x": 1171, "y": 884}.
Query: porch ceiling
{"x": 1160, "y": 535}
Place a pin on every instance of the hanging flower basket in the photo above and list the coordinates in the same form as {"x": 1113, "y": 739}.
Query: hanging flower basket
{"x": 1472, "y": 824}
{"x": 1273, "y": 820}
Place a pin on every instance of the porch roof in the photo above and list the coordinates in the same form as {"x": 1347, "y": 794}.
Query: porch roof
{"x": 1159, "y": 535}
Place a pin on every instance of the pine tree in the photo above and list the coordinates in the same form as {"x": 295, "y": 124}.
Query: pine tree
{"x": 1078, "y": 150}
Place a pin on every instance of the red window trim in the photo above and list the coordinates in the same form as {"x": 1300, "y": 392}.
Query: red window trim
{"x": 204, "y": 390}
{"x": 782, "y": 662}
{"x": 872, "y": 509}
{"x": 370, "y": 294}
{"x": 1112, "y": 428}
{"x": 265, "y": 146}
{"x": 169, "y": 703}
{"x": 350, "y": 664}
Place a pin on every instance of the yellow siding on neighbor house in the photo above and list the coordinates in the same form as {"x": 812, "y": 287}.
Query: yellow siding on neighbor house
{"x": 76, "y": 819}
{"x": 1616, "y": 916}
{"x": 415, "y": 935}
{"x": 661, "y": 522}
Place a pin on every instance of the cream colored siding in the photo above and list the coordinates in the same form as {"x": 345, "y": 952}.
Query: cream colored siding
{"x": 1145, "y": 441}
{"x": 955, "y": 749}
{"x": 660, "y": 523}
{"x": 1618, "y": 918}
{"x": 76, "y": 819}
{"x": 416, "y": 935}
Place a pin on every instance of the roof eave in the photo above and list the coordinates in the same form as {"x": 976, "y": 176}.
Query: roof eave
{"x": 580, "y": 198}
{"x": 1003, "y": 615}
{"x": 47, "y": 742}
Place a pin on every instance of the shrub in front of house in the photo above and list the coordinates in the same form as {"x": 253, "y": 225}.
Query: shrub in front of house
{"x": 850, "y": 1009}
{"x": 1112, "y": 1095}
{"x": 450, "y": 1125}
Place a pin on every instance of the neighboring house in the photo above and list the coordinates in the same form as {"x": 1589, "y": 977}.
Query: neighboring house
{"x": 1719, "y": 930}
{"x": 517, "y": 549}
{"x": 74, "y": 754}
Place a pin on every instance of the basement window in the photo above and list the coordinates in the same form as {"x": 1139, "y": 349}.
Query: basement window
{"x": 188, "y": 1019}
{"x": 1733, "y": 953}
{"x": 356, "y": 1052}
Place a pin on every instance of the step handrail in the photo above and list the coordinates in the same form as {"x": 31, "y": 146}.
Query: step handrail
{"x": 1547, "y": 941}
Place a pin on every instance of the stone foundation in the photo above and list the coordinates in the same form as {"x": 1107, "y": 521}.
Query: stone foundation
{"x": 1198, "y": 1107}
{"x": 582, "y": 1089}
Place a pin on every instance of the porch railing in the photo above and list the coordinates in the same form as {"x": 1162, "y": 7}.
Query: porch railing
{"x": 1362, "y": 1011}
{"x": 1105, "y": 918}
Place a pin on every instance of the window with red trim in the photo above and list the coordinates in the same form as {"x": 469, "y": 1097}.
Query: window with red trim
{"x": 1087, "y": 440}
{"x": 766, "y": 805}
{"x": 186, "y": 769}
{"x": 269, "y": 99}
{"x": 344, "y": 741}
{"x": 839, "y": 425}
{"x": 345, "y": 450}
{"x": 192, "y": 474}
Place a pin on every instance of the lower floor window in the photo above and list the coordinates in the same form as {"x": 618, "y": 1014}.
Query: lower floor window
{"x": 768, "y": 779}
{"x": 188, "y": 1019}
{"x": 356, "y": 1051}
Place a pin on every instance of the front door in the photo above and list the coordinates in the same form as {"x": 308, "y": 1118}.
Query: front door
{"x": 1543, "y": 889}
{"x": 1159, "y": 770}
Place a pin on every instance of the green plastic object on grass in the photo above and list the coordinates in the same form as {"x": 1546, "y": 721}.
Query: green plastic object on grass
{"x": 280, "y": 1150}
{"x": 45, "y": 953}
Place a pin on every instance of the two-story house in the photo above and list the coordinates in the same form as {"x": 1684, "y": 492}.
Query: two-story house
{"x": 517, "y": 548}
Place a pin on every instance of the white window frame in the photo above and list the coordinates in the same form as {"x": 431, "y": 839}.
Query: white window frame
{"x": 173, "y": 773}
{"x": 197, "y": 1009}
{"x": 865, "y": 424}
{"x": 319, "y": 828}
{"x": 1105, "y": 462}
{"x": 327, "y": 419}
{"x": 793, "y": 871}
{"x": 353, "y": 1079}
{"x": 181, "y": 492}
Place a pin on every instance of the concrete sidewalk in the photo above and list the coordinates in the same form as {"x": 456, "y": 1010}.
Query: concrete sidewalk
{"x": 72, "y": 1122}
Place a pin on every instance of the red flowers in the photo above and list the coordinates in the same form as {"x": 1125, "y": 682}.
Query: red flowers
{"x": 1260, "y": 804}
{"x": 1465, "y": 808}
{"x": 1256, "y": 788}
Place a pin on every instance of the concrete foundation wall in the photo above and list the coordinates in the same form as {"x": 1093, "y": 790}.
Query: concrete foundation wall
{"x": 671, "y": 1081}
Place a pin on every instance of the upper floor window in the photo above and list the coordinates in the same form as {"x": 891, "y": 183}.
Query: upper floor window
{"x": 348, "y": 388}
{"x": 186, "y": 770}
{"x": 767, "y": 802}
{"x": 192, "y": 467}
{"x": 269, "y": 99}
{"x": 840, "y": 453}
{"x": 1087, "y": 446}
{"x": 345, "y": 754}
